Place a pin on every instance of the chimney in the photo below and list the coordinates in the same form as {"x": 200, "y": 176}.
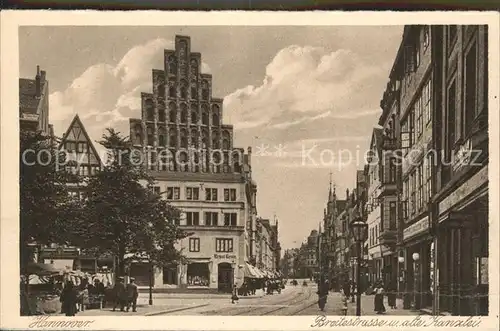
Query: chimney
{"x": 347, "y": 194}
{"x": 249, "y": 152}
{"x": 42, "y": 75}
{"x": 38, "y": 85}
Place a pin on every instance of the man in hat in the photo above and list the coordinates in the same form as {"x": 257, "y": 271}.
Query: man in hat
{"x": 120, "y": 294}
{"x": 132, "y": 294}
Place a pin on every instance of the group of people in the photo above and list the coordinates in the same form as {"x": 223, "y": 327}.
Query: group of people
{"x": 250, "y": 287}
{"x": 75, "y": 298}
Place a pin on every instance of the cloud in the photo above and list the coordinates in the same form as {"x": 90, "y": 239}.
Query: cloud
{"x": 106, "y": 95}
{"x": 310, "y": 82}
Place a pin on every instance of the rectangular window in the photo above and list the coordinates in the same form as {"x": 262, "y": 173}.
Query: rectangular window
{"x": 413, "y": 193}
{"x": 427, "y": 101}
{"x": 211, "y": 194}
{"x": 392, "y": 170}
{"x": 194, "y": 244}
{"x": 428, "y": 186}
{"x": 192, "y": 218}
{"x": 470, "y": 88}
{"x": 412, "y": 127}
{"x": 405, "y": 136}
{"x": 229, "y": 194}
{"x": 420, "y": 186}
{"x": 230, "y": 219}
{"x": 155, "y": 189}
{"x": 211, "y": 219}
{"x": 223, "y": 245}
{"x": 452, "y": 134}
{"x": 192, "y": 193}
{"x": 173, "y": 193}
{"x": 70, "y": 146}
{"x": 392, "y": 215}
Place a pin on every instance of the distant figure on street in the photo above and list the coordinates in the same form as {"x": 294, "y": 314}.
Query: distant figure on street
{"x": 322, "y": 294}
{"x": 234, "y": 296}
{"x": 391, "y": 294}
{"x": 132, "y": 295}
{"x": 120, "y": 294}
{"x": 347, "y": 289}
{"x": 69, "y": 299}
{"x": 379, "y": 297}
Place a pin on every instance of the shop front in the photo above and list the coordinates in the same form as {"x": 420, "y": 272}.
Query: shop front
{"x": 417, "y": 260}
{"x": 462, "y": 248}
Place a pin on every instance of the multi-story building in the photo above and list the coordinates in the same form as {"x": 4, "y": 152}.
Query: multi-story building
{"x": 460, "y": 204}
{"x": 310, "y": 254}
{"x": 290, "y": 263}
{"x": 34, "y": 103}
{"x": 266, "y": 249}
{"x": 373, "y": 172}
{"x": 190, "y": 153}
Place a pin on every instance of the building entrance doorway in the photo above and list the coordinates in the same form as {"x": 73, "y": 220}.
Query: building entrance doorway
{"x": 226, "y": 274}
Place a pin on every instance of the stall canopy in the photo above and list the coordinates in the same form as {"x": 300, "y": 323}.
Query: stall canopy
{"x": 251, "y": 271}
{"x": 43, "y": 269}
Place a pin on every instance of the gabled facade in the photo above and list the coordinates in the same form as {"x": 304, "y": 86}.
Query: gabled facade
{"x": 34, "y": 103}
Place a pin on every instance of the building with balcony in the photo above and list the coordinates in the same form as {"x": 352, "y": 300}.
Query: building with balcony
{"x": 190, "y": 152}
{"x": 460, "y": 203}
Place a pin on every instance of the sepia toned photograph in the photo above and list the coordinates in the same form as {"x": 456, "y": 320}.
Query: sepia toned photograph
{"x": 265, "y": 170}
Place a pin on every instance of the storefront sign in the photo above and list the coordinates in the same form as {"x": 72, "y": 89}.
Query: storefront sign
{"x": 416, "y": 228}
{"x": 224, "y": 256}
{"x": 464, "y": 190}
{"x": 30, "y": 117}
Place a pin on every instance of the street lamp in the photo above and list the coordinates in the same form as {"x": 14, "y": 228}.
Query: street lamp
{"x": 359, "y": 231}
{"x": 415, "y": 257}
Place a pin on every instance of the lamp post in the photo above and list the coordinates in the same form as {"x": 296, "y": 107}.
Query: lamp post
{"x": 401, "y": 260}
{"x": 151, "y": 272}
{"x": 359, "y": 231}
{"x": 415, "y": 257}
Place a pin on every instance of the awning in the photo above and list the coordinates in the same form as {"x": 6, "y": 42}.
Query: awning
{"x": 250, "y": 272}
{"x": 43, "y": 269}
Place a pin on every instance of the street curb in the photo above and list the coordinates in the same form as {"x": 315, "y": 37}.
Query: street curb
{"x": 175, "y": 310}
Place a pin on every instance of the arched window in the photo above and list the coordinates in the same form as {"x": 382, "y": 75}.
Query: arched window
{"x": 194, "y": 113}
{"x": 196, "y": 162}
{"x": 162, "y": 135}
{"x": 184, "y": 89}
{"x": 138, "y": 134}
{"x": 183, "y": 162}
{"x": 172, "y": 108}
{"x": 236, "y": 159}
{"x": 184, "y": 113}
{"x": 194, "y": 67}
{"x": 172, "y": 65}
{"x": 225, "y": 140}
{"x": 215, "y": 140}
{"x": 161, "y": 90}
{"x": 226, "y": 163}
{"x": 171, "y": 89}
{"x": 204, "y": 139}
{"x": 171, "y": 160}
{"x": 150, "y": 115}
{"x": 150, "y": 136}
{"x": 215, "y": 115}
{"x": 216, "y": 158}
{"x": 204, "y": 90}
{"x": 194, "y": 137}
{"x": 172, "y": 138}
{"x": 194, "y": 90}
{"x": 161, "y": 114}
{"x": 204, "y": 115}
{"x": 184, "y": 138}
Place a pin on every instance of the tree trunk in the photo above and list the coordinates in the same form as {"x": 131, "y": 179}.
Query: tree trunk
{"x": 121, "y": 260}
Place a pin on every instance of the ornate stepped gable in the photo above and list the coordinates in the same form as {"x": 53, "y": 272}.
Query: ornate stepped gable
{"x": 181, "y": 118}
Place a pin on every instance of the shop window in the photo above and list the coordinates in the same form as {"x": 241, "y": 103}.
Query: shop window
{"x": 230, "y": 219}
{"x": 211, "y": 219}
{"x": 170, "y": 275}
{"x": 198, "y": 274}
{"x": 224, "y": 245}
{"x": 194, "y": 244}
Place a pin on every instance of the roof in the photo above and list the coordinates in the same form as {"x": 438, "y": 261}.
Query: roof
{"x": 28, "y": 101}
{"x": 76, "y": 120}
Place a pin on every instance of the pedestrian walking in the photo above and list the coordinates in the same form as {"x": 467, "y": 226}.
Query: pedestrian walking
{"x": 322, "y": 294}
{"x": 234, "y": 296}
{"x": 379, "y": 298}
{"x": 347, "y": 289}
{"x": 69, "y": 299}
{"x": 120, "y": 294}
{"x": 132, "y": 295}
{"x": 391, "y": 294}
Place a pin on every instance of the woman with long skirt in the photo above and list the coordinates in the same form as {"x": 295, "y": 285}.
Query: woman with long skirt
{"x": 379, "y": 298}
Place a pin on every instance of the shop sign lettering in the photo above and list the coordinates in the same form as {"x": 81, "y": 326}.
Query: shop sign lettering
{"x": 224, "y": 256}
{"x": 416, "y": 228}
{"x": 463, "y": 191}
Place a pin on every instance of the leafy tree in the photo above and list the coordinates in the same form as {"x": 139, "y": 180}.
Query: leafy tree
{"x": 123, "y": 217}
{"x": 45, "y": 205}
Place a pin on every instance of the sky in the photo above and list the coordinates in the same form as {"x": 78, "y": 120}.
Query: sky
{"x": 305, "y": 98}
